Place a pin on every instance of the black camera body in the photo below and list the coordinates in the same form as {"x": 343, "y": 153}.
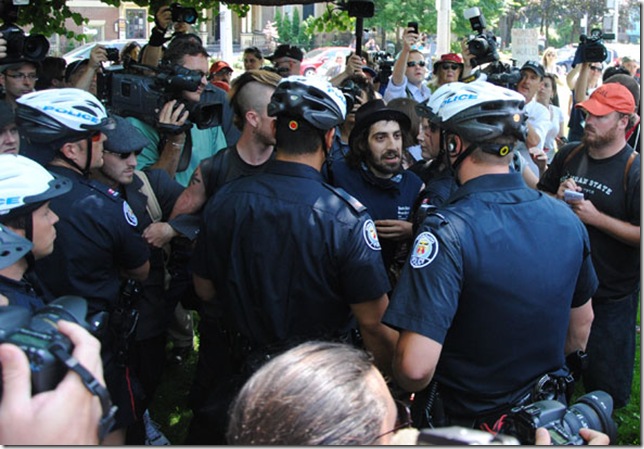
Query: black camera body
{"x": 112, "y": 54}
{"x": 483, "y": 46}
{"x": 503, "y": 75}
{"x": 385, "y": 66}
{"x": 20, "y": 47}
{"x": 592, "y": 47}
{"x": 126, "y": 93}
{"x": 182, "y": 14}
{"x": 36, "y": 335}
{"x": 591, "y": 411}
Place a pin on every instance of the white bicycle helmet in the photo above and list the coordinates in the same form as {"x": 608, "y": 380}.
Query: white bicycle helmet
{"x": 25, "y": 185}
{"x": 315, "y": 100}
{"x": 60, "y": 115}
{"x": 429, "y": 108}
{"x": 481, "y": 111}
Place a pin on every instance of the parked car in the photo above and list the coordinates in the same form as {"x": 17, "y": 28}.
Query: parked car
{"x": 83, "y": 51}
{"x": 315, "y": 58}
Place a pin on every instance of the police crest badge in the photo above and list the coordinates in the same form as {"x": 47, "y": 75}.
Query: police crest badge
{"x": 129, "y": 214}
{"x": 425, "y": 250}
{"x": 370, "y": 235}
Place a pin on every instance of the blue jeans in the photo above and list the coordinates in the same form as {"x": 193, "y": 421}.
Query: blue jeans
{"x": 611, "y": 348}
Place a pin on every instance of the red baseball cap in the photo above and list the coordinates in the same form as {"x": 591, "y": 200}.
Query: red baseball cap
{"x": 218, "y": 66}
{"x": 448, "y": 57}
{"x": 608, "y": 98}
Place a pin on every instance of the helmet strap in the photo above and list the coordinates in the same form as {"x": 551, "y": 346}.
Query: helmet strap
{"x": 29, "y": 235}
{"x": 461, "y": 157}
{"x": 84, "y": 171}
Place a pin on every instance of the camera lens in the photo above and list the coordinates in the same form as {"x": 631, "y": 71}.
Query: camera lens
{"x": 478, "y": 46}
{"x": 35, "y": 47}
{"x": 593, "y": 410}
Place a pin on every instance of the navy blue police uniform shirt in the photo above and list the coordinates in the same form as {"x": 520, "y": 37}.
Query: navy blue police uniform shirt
{"x": 288, "y": 254}
{"x": 385, "y": 199}
{"x": 96, "y": 238}
{"x": 492, "y": 277}
{"x": 20, "y": 293}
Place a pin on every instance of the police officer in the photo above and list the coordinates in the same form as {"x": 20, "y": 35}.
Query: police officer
{"x": 487, "y": 303}
{"x": 25, "y": 191}
{"x": 288, "y": 257}
{"x": 97, "y": 239}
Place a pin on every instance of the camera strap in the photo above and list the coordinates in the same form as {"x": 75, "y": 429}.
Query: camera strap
{"x": 94, "y": 387}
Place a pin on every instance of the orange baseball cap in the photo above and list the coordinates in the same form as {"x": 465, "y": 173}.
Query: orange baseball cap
{"x": 608, "y": 98}
{"x": 218, "y": 66}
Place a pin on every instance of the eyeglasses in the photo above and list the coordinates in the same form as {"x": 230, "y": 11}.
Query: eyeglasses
{"x": 403, "y": 419}
{"x": 595, "y": 68}
{"x": 450, "y": 66}
{"x": 415, "y": 63}
{"x": 23, "y": 76}
{"x": 123, "y": 155}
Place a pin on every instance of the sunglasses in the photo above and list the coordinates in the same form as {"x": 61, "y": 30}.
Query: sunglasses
{"x": 450, "y": 66}
{"x": 595, "y": 69}
{"x": 416, "y": 63}
{"x": 123, "y": 155}
{"x": 403, "y": 418}
{"x": 96, "y": 137}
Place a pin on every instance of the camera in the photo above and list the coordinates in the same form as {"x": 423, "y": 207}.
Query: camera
{"x": 483, "y": 46}
{"x": 21, "y": 48}
{"x": 504, "y": 75}
{"x": 592, "y": 47}
{"x": 112, "y": 54}
{"x": 181, "y": 14}
{"x": 126, "y": 91}
{"x": 385, "y": 66}
{"x": 38, "y": 335}
{"x": 591, "y": 411}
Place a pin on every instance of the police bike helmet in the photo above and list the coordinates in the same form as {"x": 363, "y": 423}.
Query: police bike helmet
{"x": 25, "y": 186}
{"x": 429, "y": 108}
{"x": 480, "y": 112}
{"x": 58, "y": 116}
{"x": 12, "y": 247}
{"x": 316, "y": 101}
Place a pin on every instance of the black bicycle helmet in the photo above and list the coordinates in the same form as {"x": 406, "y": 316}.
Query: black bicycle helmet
{"x": 314, "y": 100}
{"x": 12, "y": 247}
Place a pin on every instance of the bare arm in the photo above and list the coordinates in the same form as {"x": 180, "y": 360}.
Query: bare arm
{"x": 579, "y": 327}
{"x": 96, "y": 57}
{"x": 581, "y": 87}
{"x": 618, "y": 229}
{"x": 169, "y": 157}
{"x": 192, "y": 198}
{"x": 400, "y": 66}
{"x": 415, "y": 360}
{"x": 379, "y": 338}
{"x": 354, "y": 65}
{"x": 153, "y": 52}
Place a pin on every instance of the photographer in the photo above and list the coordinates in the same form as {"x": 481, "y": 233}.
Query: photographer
{"x": 175, "y": 145}
{"x": 84, "y": 75}
{"x": 408, "y": 75}
{"x": 582, "y": 80}
{"x": 152, "y": 53}
{"x": 68, "y": 415}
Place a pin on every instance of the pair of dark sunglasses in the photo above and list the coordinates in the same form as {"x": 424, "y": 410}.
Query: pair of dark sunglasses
{"x": 123, "y": 155}
{"x": 450, "y": 66}
{"x": 416, "y": 63}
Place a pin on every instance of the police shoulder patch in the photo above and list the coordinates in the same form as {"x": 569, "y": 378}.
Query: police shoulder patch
{"x": 425, "y": 250}
{"x": 129, "y": 214}
{"x": 370, "y": 235}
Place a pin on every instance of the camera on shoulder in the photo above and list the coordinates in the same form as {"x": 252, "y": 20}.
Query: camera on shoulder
{"x": 592, "y": 47}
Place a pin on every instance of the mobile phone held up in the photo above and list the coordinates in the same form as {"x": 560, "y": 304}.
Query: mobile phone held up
{"x": 413, "y": 25}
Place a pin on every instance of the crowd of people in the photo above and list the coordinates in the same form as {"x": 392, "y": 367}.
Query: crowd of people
{"x": 329, "y": 235}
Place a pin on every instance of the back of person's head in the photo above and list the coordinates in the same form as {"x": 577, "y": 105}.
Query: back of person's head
{"x": 408, "y": 107}
{"x": 246, "y": 93}
{"x": 51, "y": 68}
{"x": 178, "y": 49}
{"x": 317, "y": 393}
{"x": 614, "y": 70}
{"x": 127, "y": 50}
{"x": 305, "y": 108}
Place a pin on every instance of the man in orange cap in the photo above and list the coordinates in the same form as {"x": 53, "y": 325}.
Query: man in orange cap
{"x": 220, "y": 73}
{"x": 605, "y": 170}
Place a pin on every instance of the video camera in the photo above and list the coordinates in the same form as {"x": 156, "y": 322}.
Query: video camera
{"x": 592, "y": 48}
{"x": 385, "y": 65}
{"x": 39, "y": 337}
{"x": 591, "y": 411}
{"x": 20, "y": 48}
{"x": 483, "y": 46}
{"x": 502, "y": 74}
{"x": 127, "y": 91}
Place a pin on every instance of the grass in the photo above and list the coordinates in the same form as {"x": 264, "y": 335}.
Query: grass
{"x": 170, "y": 410}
